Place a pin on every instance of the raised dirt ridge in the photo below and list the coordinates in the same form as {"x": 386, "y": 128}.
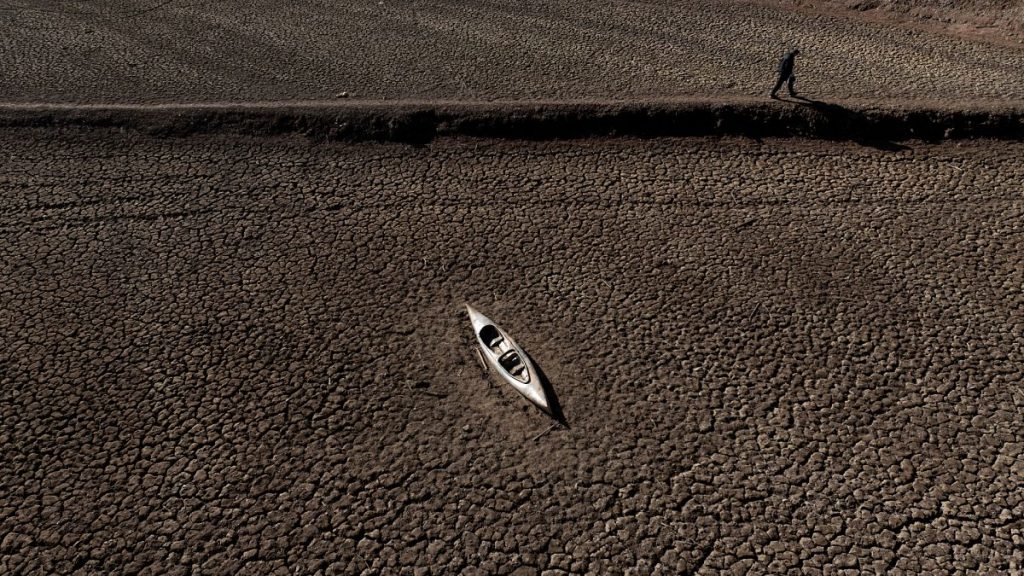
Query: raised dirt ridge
{"x": 420, "y": 122}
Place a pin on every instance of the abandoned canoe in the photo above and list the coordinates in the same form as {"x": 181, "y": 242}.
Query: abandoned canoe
{"x": 505, "y": 357}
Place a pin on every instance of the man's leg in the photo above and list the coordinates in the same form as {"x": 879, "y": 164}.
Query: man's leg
{"x": 792, "y": 81}
{"x": 778, "y": 85}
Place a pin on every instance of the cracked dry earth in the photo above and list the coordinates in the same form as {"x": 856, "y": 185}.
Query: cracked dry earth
{"x": 167, "y": 51}
{"x": 232, "y": 356}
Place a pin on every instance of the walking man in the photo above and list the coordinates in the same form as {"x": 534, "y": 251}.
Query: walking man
{"x": 786, "y": 75}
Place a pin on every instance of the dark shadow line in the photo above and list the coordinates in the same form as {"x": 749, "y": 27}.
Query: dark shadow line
{"x": 556, "y": 406}
{"x": 849, "y": 120}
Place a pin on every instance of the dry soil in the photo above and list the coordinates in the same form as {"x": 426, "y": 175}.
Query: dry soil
{"x": 171, "y": 50}
{"x": 238, "y": 356}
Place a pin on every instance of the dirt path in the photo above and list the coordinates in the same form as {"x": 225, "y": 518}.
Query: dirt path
{"x": 346, "y": 103}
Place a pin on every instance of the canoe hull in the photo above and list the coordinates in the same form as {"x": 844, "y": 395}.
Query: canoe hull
{"x": 504, "y": 357}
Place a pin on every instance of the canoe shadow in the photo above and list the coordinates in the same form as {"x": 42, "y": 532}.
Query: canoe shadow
{"x": 556, "y": 406}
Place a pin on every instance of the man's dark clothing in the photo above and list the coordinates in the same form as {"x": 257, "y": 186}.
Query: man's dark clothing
{"x": 786, "y": 75}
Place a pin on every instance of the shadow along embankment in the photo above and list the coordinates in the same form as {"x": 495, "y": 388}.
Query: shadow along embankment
{"x": 420, "y": 122}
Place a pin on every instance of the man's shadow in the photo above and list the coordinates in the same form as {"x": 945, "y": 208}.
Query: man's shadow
{"x": 847, "y": 124}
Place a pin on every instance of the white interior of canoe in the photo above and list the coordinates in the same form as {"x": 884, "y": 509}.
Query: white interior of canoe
{"x": 508, "y": 359}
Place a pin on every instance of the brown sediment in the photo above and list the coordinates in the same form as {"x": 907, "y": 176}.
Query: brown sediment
{"x": 227, "y": 354}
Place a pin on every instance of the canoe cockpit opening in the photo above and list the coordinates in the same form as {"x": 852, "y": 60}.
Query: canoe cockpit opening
{"x": 513, "y": 364}
{"x": 491, "y": 338}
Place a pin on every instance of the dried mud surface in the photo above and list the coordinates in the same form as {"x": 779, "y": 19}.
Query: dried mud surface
{"x": 232, "y": 356}
{"x": 159, "y": 51}
{"x": 991, "y": 20}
